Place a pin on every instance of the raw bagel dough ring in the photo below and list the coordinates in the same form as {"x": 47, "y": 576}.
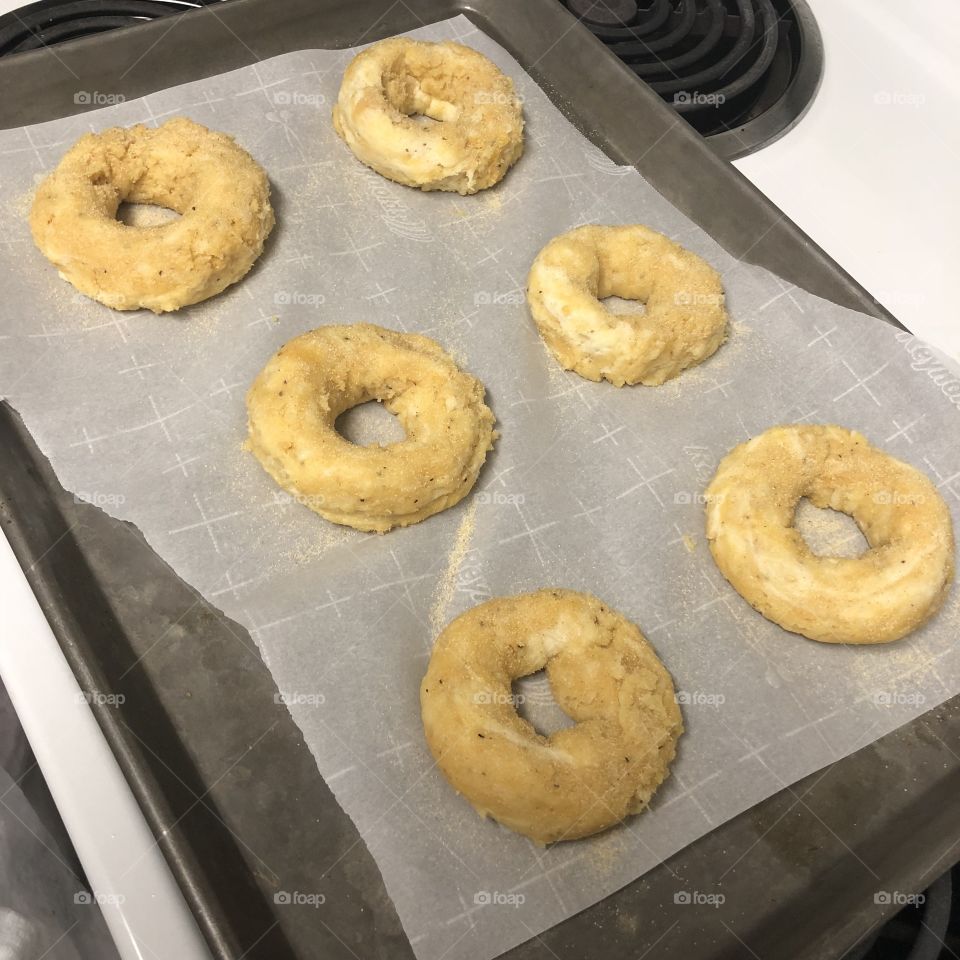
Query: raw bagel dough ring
{"x": 220, "y": 192}
{"x": 893, "y": 588}
{"x": 295, "y": 401}
{"x": 605, "y": 676}
{"x": 684, "y": 319}
{"x": 479, "y": 133}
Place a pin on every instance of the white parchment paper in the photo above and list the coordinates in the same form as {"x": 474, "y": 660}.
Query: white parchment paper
{"x": 589, "y": 487}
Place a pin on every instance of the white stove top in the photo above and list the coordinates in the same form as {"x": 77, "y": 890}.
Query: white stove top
{"x": 868, "y": 173}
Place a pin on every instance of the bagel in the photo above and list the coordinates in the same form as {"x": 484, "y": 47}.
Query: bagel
{"x": 603, "y": 673}
{"x": 683, "y": 322}
{"x": 392, "y": 91}
{"x": 294, "y": 402}
{"x": 221, "y": 194}
{"x": 893, "y": 588}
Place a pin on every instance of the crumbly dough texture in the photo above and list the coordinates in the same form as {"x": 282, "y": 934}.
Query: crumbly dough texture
{"x": 390, "y": 87}
{"x": 897, "y": 585}
{"x": 605, "y": 676}
{"x": 684, "y": 318}
{"x": 220, "y": 192}
{"x": 295, "y": 401}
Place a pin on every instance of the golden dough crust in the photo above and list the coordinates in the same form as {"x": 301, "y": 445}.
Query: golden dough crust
{"x": 896, "y": 586}
{"x": 220, "y": 192}
{"x": 479, "y": 133}
{"x": 295, "y": 401}
{"x": 684, "y": 318}
{"x": 605, "y": 676}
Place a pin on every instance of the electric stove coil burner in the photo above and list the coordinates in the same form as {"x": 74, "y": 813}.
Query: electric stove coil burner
{"x": 741, "y": 72}
{"x": 52, "y": 21}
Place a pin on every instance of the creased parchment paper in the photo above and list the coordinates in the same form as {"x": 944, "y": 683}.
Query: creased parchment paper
{"x": 589, "y": 487}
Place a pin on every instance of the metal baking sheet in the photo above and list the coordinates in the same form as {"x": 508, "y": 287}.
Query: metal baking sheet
{"x": 854, "y": 292}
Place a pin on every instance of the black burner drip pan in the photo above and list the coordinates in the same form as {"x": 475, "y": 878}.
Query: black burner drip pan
{"x": 48, "y": 22}
{"x": 741, "y": 72}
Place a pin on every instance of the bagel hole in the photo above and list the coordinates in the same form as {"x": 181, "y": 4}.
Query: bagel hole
{"x": 407, "y": 96}
{"x": 145, "y": 214}
{"x": 829, "y": 533}
{"x": 620, "y": 305}
{"x": 369, "y": 424}
{"x": 534, "y": 701}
